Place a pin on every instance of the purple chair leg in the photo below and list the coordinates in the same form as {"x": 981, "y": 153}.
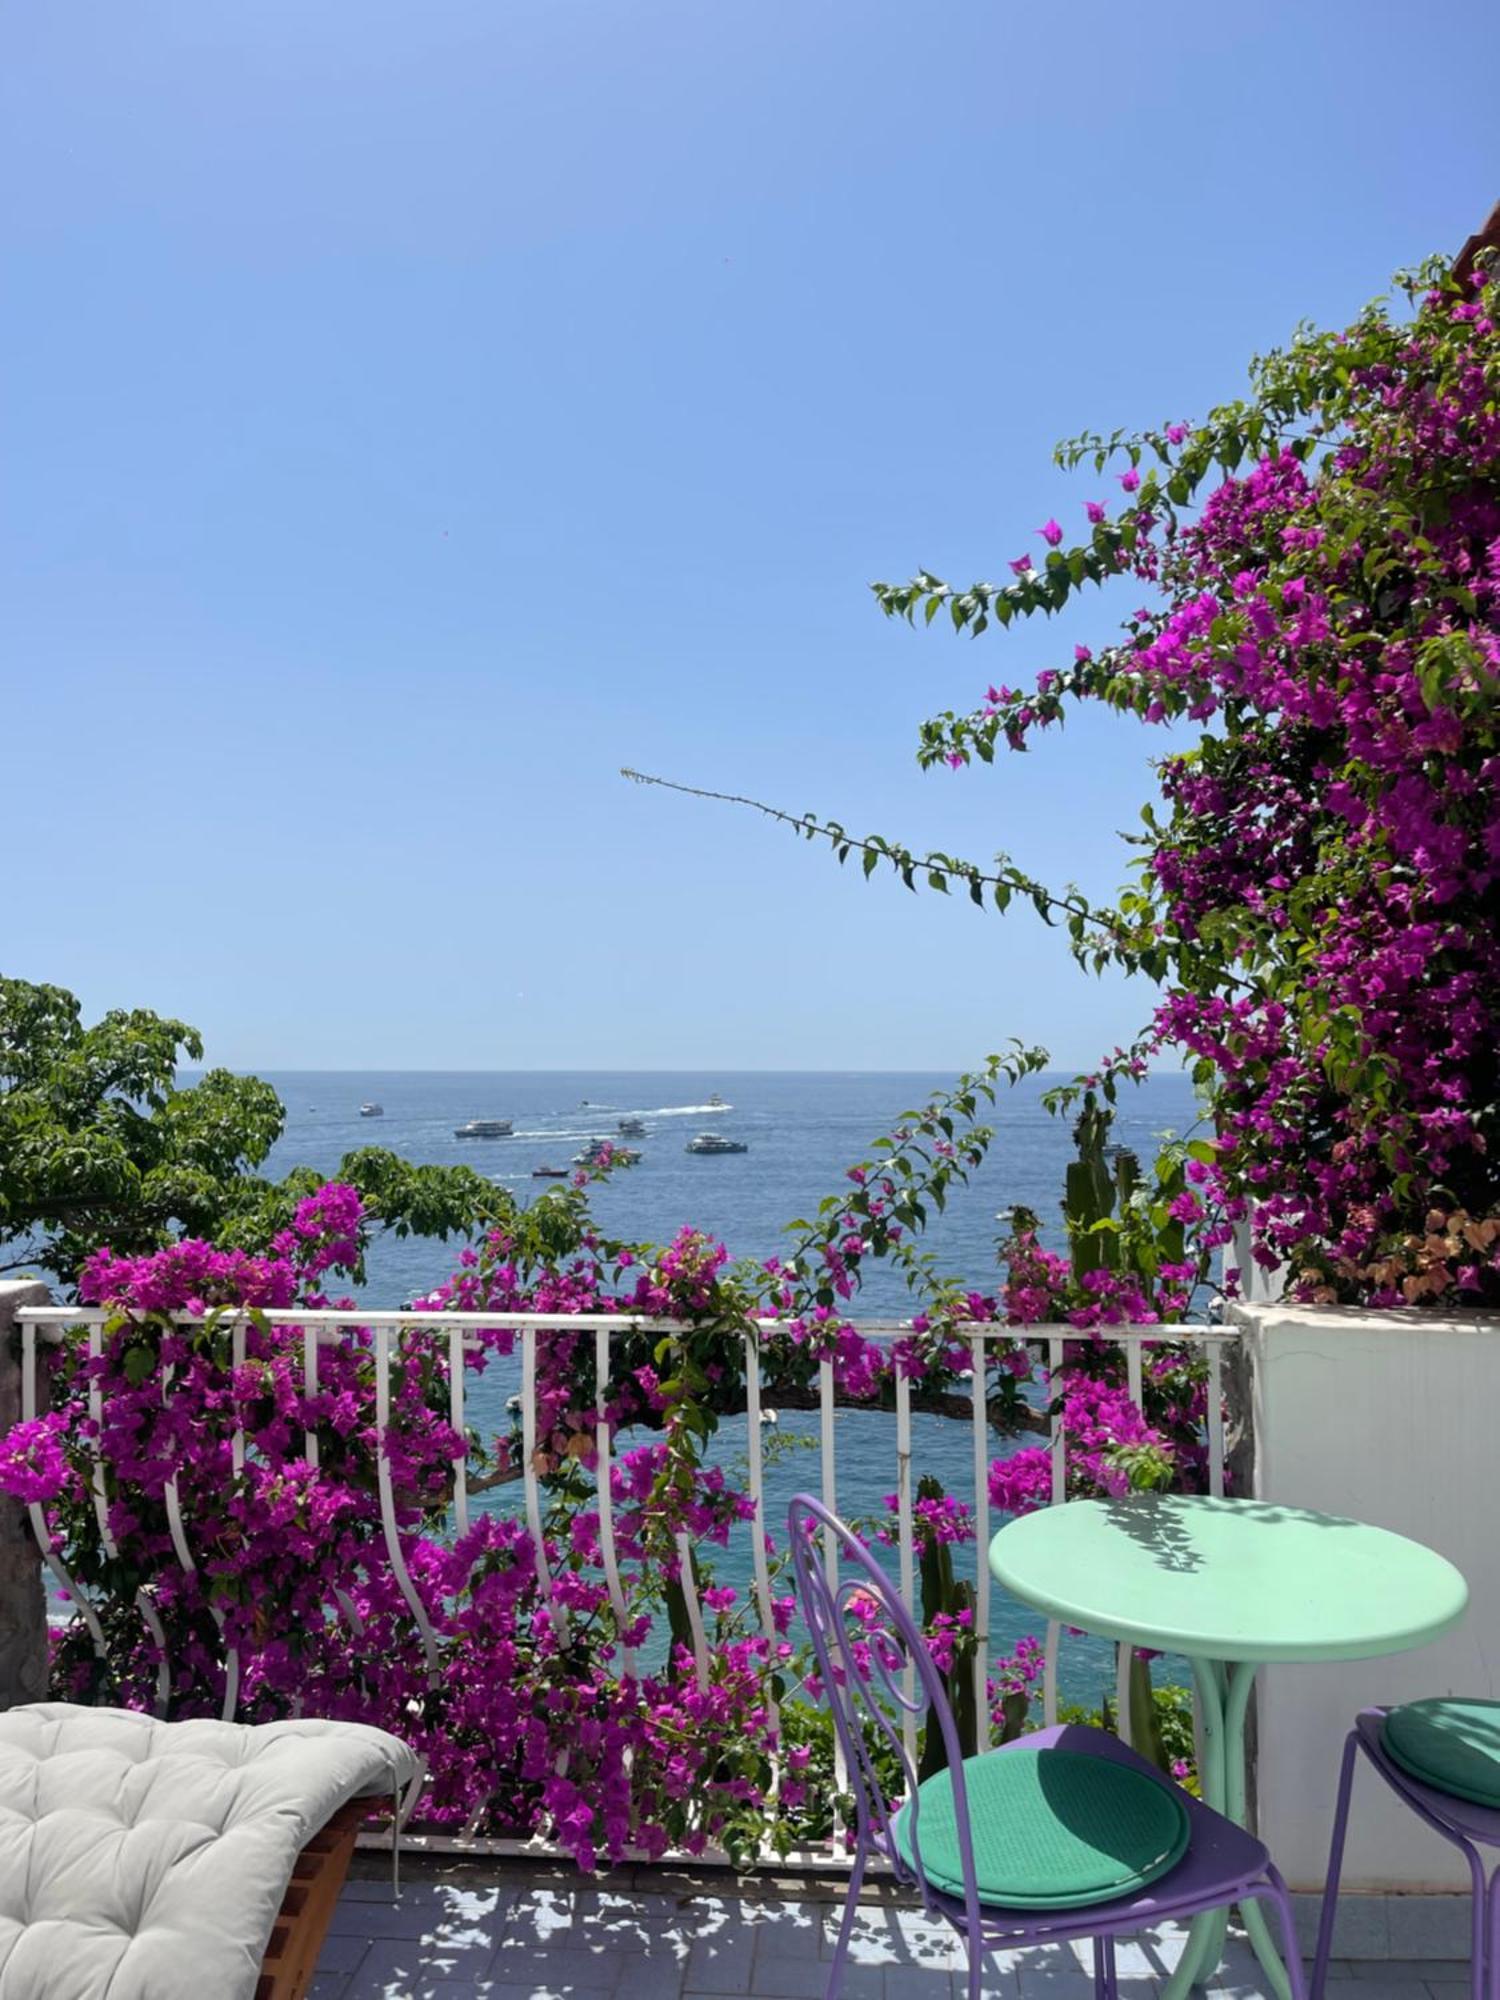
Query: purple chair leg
{"x": 1335, "y": 1866}
{"x": 1484, "y": 1914}
{"x": 976, "y": 1968}
{"x": 1291, "y": 1952}
{"x": 1106, "y": 1986}
{"x": 846, "y": 1927}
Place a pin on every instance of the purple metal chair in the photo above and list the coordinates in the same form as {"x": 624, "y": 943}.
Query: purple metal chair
{"x": 1466, "y": 1824}
{"x": 1066, "y": 1834}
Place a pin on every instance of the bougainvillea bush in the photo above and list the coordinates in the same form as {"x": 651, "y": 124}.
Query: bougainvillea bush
{"x": 220, "y": 1557}
{"x": 1319, "y": 884}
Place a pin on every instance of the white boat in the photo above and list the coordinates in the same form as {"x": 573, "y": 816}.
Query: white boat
{"x": 484, "y": 1128}
{"x": 632, "y": 1128}
{"x": 716, "y": 1103}
{"x": 372, "y": 1111}
{"x": 594, "y": 1152}
{"x": 715, "y": 1142}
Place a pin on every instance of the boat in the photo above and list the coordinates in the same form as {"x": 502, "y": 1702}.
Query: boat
{"x": 484, "y": 1128}
{"x": 546, "y": 1173}
{"x": 716, "y": 1103}
{"x": 632, "y": 1128}
{"x": 715, "y": 1142}
{"x": 372, "y": 1111}
{"x": 594, "y": 1152}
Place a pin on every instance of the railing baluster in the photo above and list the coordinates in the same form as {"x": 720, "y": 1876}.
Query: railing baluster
{"x": 1124, "y": 1655}
{"x": 172, "y": 1498}
{"x": 982, "y": 1539}
{"x": 96, "y": 1449}
{"x": 755, "y": 1453}
{"x": 906, "y": 1554}
{"x": 828, "y": 1473}
{"x": 602, "y": 1464}
{"x": 1049, "y": 1673}
{"x": 155, "y": 1627}
{"x": 388, "y": 1499}
{"x": 1215, "y": 1359}
{"x": 237, "y": 1362}
{"x": 1055, "y": 1353}
{"x": 1059, "y": 1435}
{"x": 458, "y": 1419}
{"x": 309, "y": 1391}
{"x": 530, "y": 1486}
{"x": 36, "y": 1513}
{"x": 143, "y": 1604}
{"x": 694, "y": 1606}
{"x": 1135, "y": 1372}
{"x": 828, "y": 1469}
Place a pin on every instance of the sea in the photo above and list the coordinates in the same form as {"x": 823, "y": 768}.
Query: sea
{"x": 802, "y": 1130}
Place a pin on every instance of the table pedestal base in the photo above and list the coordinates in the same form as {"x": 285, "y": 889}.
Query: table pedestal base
{"x": 1223, "y": 1694}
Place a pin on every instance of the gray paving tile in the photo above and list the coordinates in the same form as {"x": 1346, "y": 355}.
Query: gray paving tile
{"x": 1362, "y": 1928}
{"x": 342, "y": 1952}
{"x": 1429, "y": 1927}
{"x": 569, "y": 1966}
{"x": 721, "y": 1963}
{"x": 901, "y": 1938}
{"x": 411, "y": 1917}
{"x": 643, "y": 1975}
{"x": 1371, "y": 1972}
{"x": 1376, "y": 1989}
{"x": 792, "y": 1930}
{"x": 538, "y": 1990}
{"x": 371, "y": 1889}
{"x": 392, "y": 1970}
{"x": 805, "y": 1978}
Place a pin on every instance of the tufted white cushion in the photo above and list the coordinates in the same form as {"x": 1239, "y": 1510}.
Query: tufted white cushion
{"x": 144, "y": 1860}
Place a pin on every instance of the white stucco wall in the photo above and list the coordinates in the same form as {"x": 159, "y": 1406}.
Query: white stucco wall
{"x": 1391, "y": 1418}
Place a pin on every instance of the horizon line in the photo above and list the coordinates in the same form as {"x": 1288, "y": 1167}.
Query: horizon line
{"x": 605, "y": 1069}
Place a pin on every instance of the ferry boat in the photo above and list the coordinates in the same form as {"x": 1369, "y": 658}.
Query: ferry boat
{"x": 546, "y": 1173}
{"x": 485, "y": 1128}
{"x": 714, "y": 1142}
{"x": 632, "y": 1128}
{"x": 619, "y": 1156}
{"x": 371, "y": 1111}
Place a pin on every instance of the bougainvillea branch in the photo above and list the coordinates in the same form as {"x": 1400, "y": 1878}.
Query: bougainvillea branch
{"x": 997, "y": 887}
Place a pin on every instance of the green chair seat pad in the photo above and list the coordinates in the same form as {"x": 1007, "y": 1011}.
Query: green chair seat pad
{"x": 1450, "y": 1744}
{"x": 1052, "y": 1829}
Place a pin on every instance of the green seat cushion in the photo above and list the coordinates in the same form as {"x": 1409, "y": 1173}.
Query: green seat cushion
{"x": 1450, "y": 1744}
{"x": 1052, "y": 1829}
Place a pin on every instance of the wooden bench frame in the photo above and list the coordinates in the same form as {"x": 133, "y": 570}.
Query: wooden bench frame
{"x": 307, "y": 1908}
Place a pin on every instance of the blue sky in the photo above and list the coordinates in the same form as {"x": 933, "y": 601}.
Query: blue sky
{"x": 414, "y": 413}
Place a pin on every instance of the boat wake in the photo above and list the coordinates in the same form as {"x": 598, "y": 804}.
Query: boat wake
{"x": 684, "y": 1110}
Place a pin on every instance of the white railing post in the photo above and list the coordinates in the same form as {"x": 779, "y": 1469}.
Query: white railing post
{"x": 23, "y": 1603}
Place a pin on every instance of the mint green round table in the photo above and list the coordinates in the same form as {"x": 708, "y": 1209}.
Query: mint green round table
{"x": 1231, "y": 1584}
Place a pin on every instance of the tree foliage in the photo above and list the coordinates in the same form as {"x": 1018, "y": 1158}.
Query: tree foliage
{"x": 101, "y": 1143}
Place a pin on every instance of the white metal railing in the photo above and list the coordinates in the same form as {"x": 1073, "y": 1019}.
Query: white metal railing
{"x": 322, "y": 1328}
